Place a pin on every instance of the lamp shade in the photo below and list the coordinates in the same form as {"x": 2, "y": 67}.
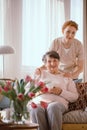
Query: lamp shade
{"x": 6, "y": 49}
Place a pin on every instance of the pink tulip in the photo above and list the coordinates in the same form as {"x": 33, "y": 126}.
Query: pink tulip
{"x": 31, "y": 94}
{"x": 41, "y": 84}
{"x": 20, "y": 96}
{"x": 6, "y": 89}
{"x": 8, "y": 83}
{"x": 44, "y": 89}
{"x": 33, "y": 105}
{"x": 43, "y": 104}
{"x": 1, "y": 89}
{"x": 28, "y": 79}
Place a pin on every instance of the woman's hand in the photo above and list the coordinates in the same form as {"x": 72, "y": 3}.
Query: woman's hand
{"x": 69, "y": 75}
{"x": 55, "y": 90}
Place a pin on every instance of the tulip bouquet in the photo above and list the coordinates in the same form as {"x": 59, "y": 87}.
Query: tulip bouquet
{"x": 20, "y": 92}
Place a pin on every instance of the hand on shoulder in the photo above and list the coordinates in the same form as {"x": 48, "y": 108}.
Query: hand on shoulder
{"x": 39, "y": 70}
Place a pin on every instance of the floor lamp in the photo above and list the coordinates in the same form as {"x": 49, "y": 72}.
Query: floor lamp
{"x": 4, "y": 50}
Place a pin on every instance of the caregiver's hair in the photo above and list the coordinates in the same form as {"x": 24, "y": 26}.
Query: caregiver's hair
{"x": 69, "y": 23}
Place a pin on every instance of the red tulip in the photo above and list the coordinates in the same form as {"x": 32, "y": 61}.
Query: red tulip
{"x": 31, "y": 94}
{"x": 8, "y": 83}
{"x": 28, "y": 79}
{"x": 1, "y": 89}
{"x": 43, "y": 104}
{"x": 20, "y": 96}
{"x": 44, "y": 89}
{"x": 6, "y": 89}
{"x": 33, "y": 105}
{"x": 40, "y": 84}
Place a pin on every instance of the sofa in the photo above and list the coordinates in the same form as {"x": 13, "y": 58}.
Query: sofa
{"x": 75, "y": 120}
{"x": 76, "y": 117}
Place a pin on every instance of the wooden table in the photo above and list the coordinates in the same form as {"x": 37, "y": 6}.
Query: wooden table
{"x": 11, "y": 126}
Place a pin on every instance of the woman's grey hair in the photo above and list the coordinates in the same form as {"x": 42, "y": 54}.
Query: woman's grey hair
{"x": 51, "y": 54}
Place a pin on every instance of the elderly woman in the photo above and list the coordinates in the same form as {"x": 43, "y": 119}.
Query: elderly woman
{"x": 61, "y": 91}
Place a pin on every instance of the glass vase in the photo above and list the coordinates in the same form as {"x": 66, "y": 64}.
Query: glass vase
{"x": 20, "y": 112}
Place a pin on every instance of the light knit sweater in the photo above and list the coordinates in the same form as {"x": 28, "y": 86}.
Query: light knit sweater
{"x": 69, "y": 91}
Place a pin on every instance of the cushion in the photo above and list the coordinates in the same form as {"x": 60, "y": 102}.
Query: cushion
{"x": 81, "y": 102}
{"x": 77, "y": 116}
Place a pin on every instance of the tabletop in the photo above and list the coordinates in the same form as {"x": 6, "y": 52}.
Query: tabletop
{"x": 12, "y": 126}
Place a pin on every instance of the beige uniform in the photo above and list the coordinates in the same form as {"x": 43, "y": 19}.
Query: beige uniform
{"x": 70, "y": 56}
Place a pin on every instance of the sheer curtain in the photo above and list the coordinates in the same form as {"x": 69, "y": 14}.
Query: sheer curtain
{"x": 12, "y": 30}
{"x": 41, "y": 23}
{"x": 1, "y": 35}
{"x": 74, "y": 13}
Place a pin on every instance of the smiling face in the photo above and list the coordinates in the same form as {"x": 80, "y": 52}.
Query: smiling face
{"x": 69, "y": 33}
{"x": 52, "y": 64}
